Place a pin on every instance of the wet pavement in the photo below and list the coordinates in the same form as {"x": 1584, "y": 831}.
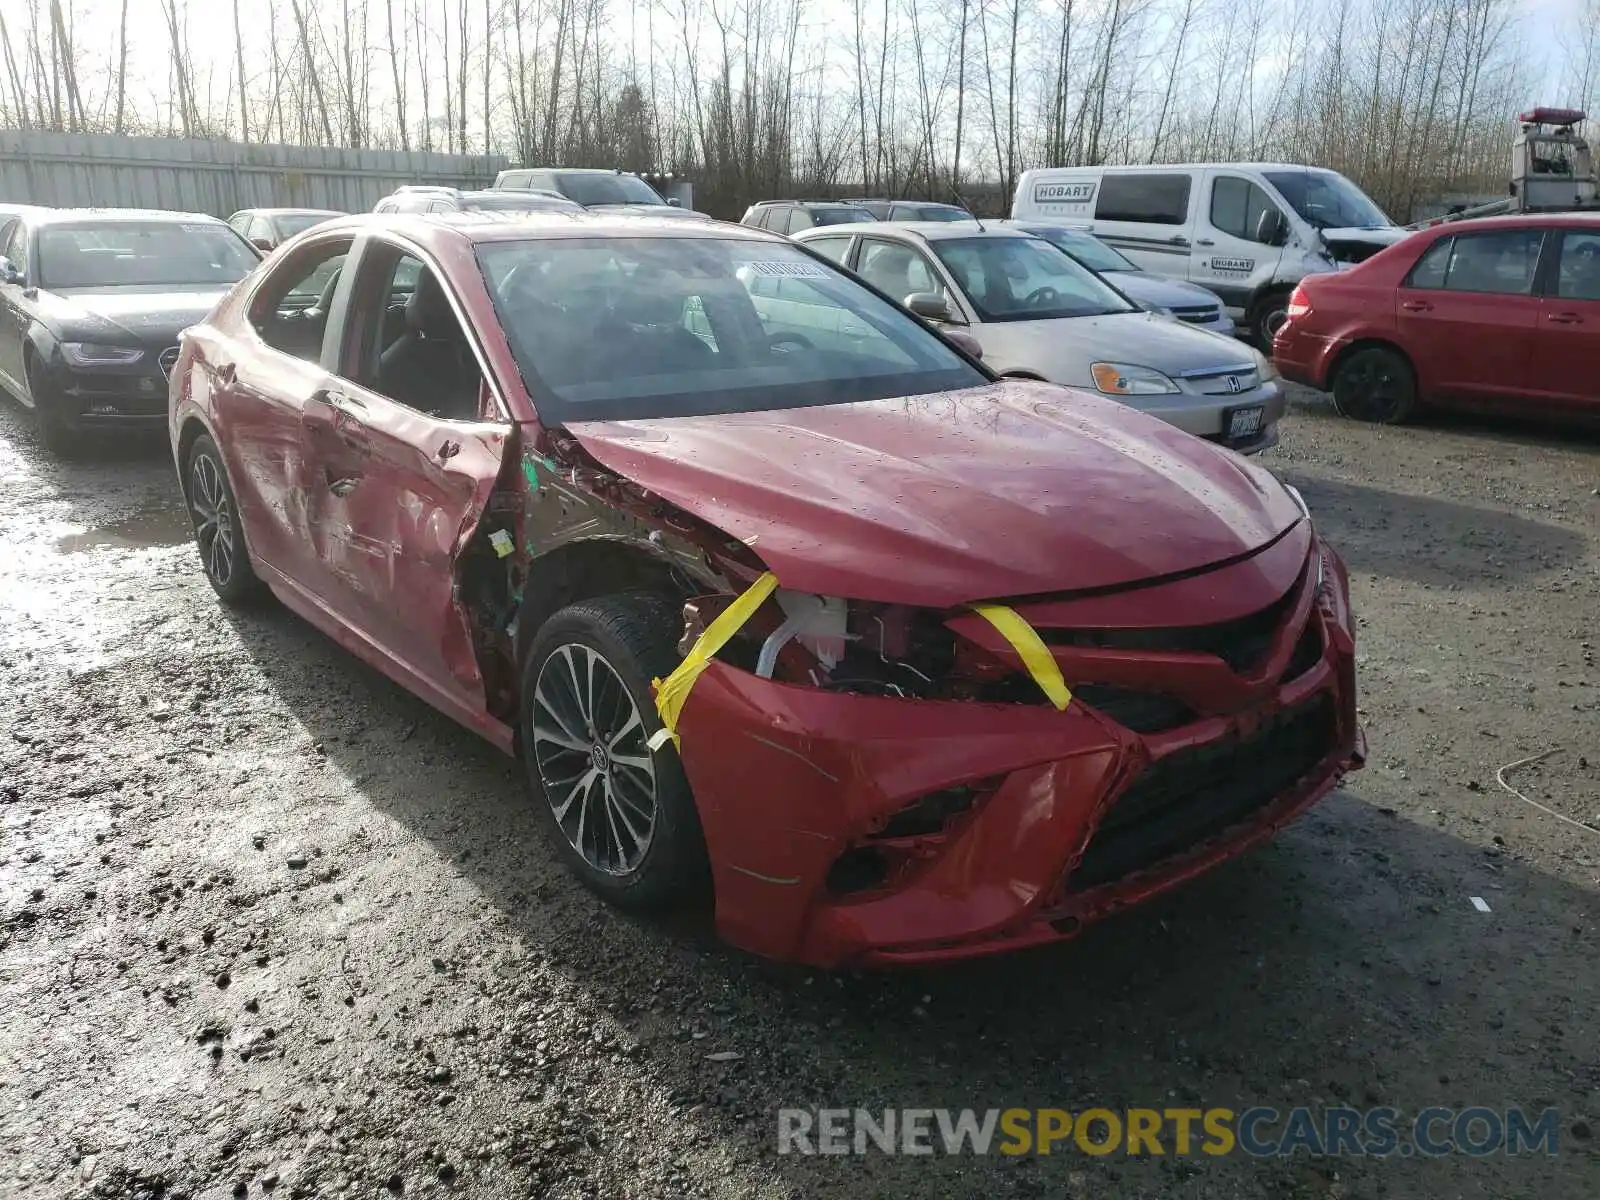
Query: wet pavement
{"x": 271, "y": 927}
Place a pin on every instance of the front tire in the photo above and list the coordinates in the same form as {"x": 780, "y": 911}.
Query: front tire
{"x": 54, "y": 433}
{"x": 621, "y": 814}
{"x": 1375, "y": 384}
{"x": 1267, "y": 318}
{"x": 218, "y": 533}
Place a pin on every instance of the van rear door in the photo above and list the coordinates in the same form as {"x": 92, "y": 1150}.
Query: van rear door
{"x": 1147, "y": 215}
{"x": 1065, "y": 195}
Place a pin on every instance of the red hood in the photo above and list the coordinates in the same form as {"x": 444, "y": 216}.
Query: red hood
{"x": 1006, "y": 490}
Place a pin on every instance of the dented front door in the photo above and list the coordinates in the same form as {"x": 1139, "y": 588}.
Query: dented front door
{"x": 398, "y": 493}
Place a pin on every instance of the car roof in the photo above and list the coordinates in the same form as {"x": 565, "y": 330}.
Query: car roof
{"x": 808, "y": 203}
{"x": 287, "y": 212}
{"x": 124, "y": 216}
{"x": 476, "y": 227}
{"x": 1156, "y": 168}
{"x": 1519, "y": 221}
{"x": 929, "y": 231}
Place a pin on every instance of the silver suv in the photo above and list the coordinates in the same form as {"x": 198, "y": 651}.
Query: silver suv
{"x": 1039, "y": 314}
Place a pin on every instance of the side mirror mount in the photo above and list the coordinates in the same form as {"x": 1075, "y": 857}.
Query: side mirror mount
{"x": 262, "y": 244}
{"x": 675, "y": 202}
{"x": 965, "y": 342}
{"x": 9, "y": 273}
{"x": 930, "y": 306}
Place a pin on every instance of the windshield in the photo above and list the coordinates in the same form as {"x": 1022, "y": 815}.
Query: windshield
{"x": 1025, "y": 279}
{"x": 626, "y": 328}
{"x": 1087, "y": 249}
{"x": 142, "y": 254}
{"x": 1328, "y": 201}
{"x": 606, "y": 189}
{"x": 290, "y": 224}
{"x": 839, "y": 216}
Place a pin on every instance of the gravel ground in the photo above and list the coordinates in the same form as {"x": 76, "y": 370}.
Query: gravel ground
{"x": 269, "y": 925}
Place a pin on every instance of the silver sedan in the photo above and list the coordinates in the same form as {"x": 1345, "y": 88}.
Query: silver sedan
{"x": 1037, "y": 313}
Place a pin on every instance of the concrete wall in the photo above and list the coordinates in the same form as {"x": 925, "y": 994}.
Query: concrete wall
{"x": 97, "y": 170}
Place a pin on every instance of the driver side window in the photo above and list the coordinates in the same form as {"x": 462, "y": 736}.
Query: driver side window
{"x": 1237, "y": 206}
{"x": 897, "y": 269}
{"x": 290, "y": 309}
{"x": 15, "y": 247}
{"x": 409, "y": 343}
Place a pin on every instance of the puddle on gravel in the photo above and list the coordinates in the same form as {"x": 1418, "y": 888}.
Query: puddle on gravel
{"x": 167, "y": 525}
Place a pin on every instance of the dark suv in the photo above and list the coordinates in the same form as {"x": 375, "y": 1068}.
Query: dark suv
{"x": 791, "y": 216}
{"x": 419, "y": 199}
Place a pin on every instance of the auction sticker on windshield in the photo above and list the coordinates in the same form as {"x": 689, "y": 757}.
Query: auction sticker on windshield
{"x": 789, "y": 270}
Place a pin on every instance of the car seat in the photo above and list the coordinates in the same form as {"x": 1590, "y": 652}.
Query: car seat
{"x": 430, "y": 367}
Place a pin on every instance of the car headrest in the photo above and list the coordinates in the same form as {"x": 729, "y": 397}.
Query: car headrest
{"x": 428, "y": 310}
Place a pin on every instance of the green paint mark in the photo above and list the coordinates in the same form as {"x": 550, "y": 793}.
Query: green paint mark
{"x": 530, "y": 472}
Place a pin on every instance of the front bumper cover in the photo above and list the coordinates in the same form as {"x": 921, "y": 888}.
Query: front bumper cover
{"x": 105, "y": 397}
{"x": 1070, "y": 815}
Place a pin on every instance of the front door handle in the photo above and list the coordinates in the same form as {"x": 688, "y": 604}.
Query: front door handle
{"x": 1416, "y": 306}
{"x": 1205, "y": 242}
{"x": 339, "y": 400}
{"x": 1564, "y": 319}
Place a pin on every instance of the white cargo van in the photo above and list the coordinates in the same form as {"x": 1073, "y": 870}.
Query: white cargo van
{"x": 1247, "y": 231}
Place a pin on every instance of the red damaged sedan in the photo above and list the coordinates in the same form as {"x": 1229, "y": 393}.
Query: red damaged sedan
{"x": 772, "y": 589}
{"x": 1499, "y": 314}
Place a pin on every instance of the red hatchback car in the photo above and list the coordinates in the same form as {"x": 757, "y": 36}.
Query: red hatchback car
{"x": 1495, "y": 314}
{"x": 770, "y": 587}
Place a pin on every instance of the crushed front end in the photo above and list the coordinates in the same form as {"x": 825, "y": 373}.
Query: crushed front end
{"x": 890, "y": 785}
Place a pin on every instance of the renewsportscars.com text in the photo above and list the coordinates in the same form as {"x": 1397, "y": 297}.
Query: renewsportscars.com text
{"x": 1258, "y": 1132}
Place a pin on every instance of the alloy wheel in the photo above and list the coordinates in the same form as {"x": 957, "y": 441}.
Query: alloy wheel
{"x": 1371, "y": 389}
{"x": 589, "y": 746}
{"x": 213, "y": 519}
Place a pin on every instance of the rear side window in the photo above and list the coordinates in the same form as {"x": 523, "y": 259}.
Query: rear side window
{"x": 836, "y": 248}
{"x": 1578, "y": 277}
{"x": 1237, "y": 206}
{"x": 1430, "y": 268}
{"x": 1502, "y": 262}
{"x": 1155, "y": 199}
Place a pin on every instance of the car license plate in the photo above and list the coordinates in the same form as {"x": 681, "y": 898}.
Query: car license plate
{"x": 1244, "y": 422}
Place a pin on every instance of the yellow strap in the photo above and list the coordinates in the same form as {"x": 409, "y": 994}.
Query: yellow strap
{"x": 672, "y": 692}
{"x": 1034, "y": 653}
